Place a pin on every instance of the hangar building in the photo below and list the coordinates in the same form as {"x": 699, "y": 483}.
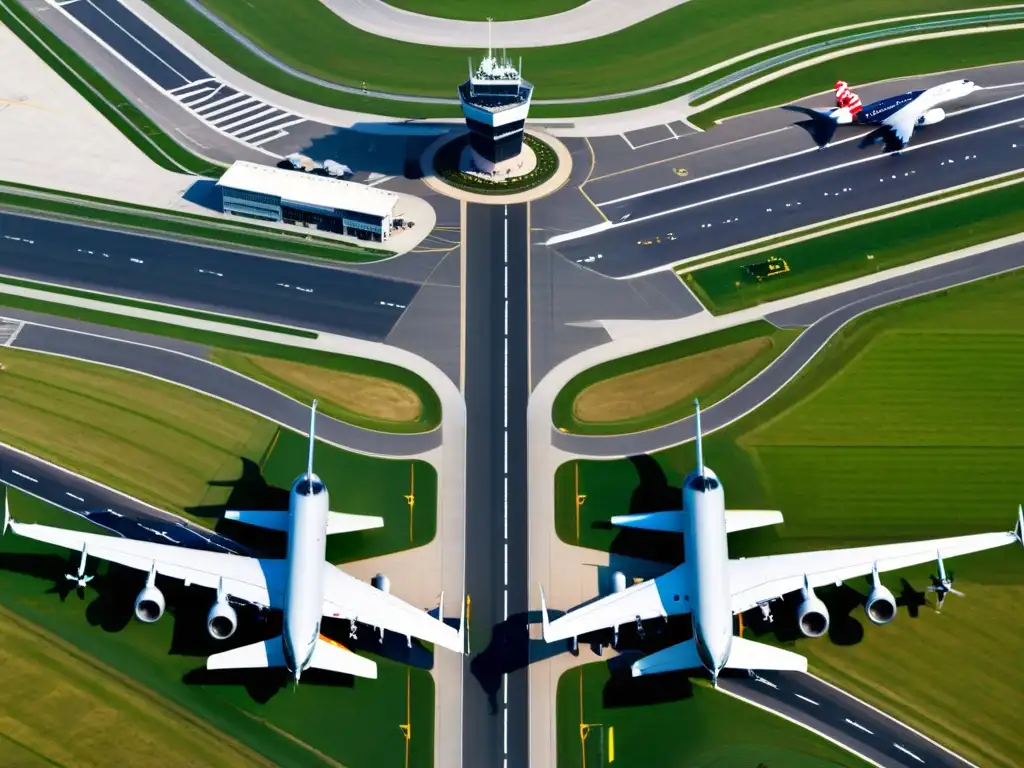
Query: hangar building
{"x": 306, "y": 200}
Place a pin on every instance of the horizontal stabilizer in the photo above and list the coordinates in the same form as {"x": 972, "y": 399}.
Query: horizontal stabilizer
{"x": 343, "y": 522}
{"x": 267, "y": 653}
{"x": 672, "y": 659}
{"x": 744, "y": 519}
{"x": 269, "y": 519}
{"x": 669, "y": 522}
{"x": 746, "y": 654}
{"x": 335, "y": 657}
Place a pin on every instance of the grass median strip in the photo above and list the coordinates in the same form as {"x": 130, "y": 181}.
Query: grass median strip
{"x": 157, "y": 307}
{"x": 869, "y": 248}
{"x": 139, "y": 129}
{"x": 391, "y": 377}
{"x": 655, "y": 387}
{"x": 183, "y": 226}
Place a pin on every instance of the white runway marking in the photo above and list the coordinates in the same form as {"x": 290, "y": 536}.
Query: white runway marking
{"x": 858, "y": 725}
{"x": 766, "y": 682}
{"x": 22, "y": 474}
{"x": 504, "y": 677}
{"x": 907, "y": 751}
{"x": 73, "y": 496}
{"x": 809, "y": 701}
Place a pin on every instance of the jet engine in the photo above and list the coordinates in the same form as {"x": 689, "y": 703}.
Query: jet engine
{"x": 382, "y": 582}
{"x": 222, "y": 620}
{"x": 149, "y": 605}
{"x": 881, "y": 605}
{"x": 812, "y": 615}
{"x": 931, "y": 117}
{"x": 618, "y": 581}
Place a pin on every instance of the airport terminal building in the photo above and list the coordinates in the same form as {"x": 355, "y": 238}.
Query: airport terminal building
{"x": 306, "y": 200}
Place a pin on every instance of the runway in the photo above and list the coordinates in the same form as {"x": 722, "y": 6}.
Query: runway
{"x": 106, "y": 507}
{"x": 655, "y": 229}
{"x": 842, "y": 717}
{"x": 496, "y": 703}
{"x": 277, "y": 290}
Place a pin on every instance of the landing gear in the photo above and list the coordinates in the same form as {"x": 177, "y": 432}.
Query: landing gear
{"x": 766, "y": 611}
{"x": 352, "y": 629}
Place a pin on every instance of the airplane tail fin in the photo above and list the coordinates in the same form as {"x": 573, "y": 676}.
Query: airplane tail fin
{"x": 343, "y": 522}
{"x": 261, "y": 655}
{"x": 1018, "y": 529}
{"x": 847, "y": 99}
{"x": 823, "y": 124}
{"x": 672, "y": 659}
{"x": 312, "y": 439}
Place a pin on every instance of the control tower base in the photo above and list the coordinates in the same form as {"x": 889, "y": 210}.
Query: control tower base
{"x": 476, "y": 165}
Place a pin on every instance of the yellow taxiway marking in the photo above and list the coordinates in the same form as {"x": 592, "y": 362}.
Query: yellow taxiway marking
{"x": 593, "y": 162}
{"x": 410, "y": 499}
{"x": 16, "y": 103}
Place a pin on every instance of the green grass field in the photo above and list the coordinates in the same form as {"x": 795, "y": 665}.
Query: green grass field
{"x": 471, "y": 10}
{"x": 904, "y": 60}
{"x": 195, "y": 455}
{"x": 565, "y": 418}
{"x": 699, "y": 729}
{"x": 172, "y": 706}
{"x": 652, "y": 52}
{"x": 908, "y": 425}
{"x": 864, "y": 250}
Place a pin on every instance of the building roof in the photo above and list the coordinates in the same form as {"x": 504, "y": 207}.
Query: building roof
{"x": 300, "y": 187}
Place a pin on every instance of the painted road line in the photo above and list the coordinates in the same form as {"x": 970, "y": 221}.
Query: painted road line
{"x": 907, "y": 752}
{"x": 809, "y": 701}
{"x": 22, "y": 474}
{"x": 858, "y": 725}
{"x": 73, "y": 496}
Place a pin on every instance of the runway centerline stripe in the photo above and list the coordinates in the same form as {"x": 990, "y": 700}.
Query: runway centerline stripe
{"x": 22, "y": 474}
{"x": 138, "y": 42}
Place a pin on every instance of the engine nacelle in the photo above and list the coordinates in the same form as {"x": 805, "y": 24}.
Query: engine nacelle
{"x": 618, "y": 582}
{"x": 812, "y": 616}
{"x": 149, "y": 605}
{"x": 881, "y": 605}
{"x": 932, "y": 116}
{"x": 221, "y": 621}
{"x": 382, "y": 582}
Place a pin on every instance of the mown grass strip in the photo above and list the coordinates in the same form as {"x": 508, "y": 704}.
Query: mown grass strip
{"x": 430, "y": 415}
{"x": 139, "y": 129}
{"x": 870, "y": 248}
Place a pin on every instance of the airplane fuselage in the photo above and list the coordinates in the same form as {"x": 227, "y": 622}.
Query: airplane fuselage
{"x": 308, "y": 505}
{"x": 707, "y": 550}
{"x": 920, "y": 102}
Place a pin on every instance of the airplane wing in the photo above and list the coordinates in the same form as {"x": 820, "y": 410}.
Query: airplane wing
{"x": 664, "y": 596}
{"x": 895, "y": 131}
{"x": 346, "y": 597}
{"x": 259, "y": 582}
{"x": 822, "y": 127}
{"x": 755, "y": 579}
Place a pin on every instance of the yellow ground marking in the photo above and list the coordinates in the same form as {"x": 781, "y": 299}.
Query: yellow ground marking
{"x": 462, "y": 296}
{"x": 593, "y": 162}
{"x": 584, "y": 727}
{"x": 580, "y": 498}
{"x": 410, "y": 498}
{"x": 611, "y": 744}
{"x": 406, "y": 727}
{"x": 16, "y": 103}
{"x": 270, "y": 450}
{"x": 681, "y": 172}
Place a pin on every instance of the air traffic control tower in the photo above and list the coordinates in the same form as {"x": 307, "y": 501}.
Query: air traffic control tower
{"x": 495, "y": 101}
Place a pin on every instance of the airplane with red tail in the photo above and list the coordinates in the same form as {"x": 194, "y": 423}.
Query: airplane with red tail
{"x": 896, "y": 116}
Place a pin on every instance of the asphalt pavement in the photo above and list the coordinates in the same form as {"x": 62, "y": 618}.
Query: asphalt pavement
{"x": 658, "y": 228}
{"x": 149, "y": 355}
{"x": 496, "y": 390}
{"x": 842, "y": 717}
{"x": 116, "y": 513}
{"x": 822, "y": 319}
{"x": 324, "y": 298}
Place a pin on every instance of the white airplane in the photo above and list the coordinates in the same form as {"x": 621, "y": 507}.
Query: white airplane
{"x": 712, "y": 588}
{"x": 896, "y": 116}
{"x": 303, "y": 585}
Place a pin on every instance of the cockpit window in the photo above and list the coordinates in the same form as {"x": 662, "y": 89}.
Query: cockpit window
{"x": 307, "y": 488}
{"x": 701, "y": 483}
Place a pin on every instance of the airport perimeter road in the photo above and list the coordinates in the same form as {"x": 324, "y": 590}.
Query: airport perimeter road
{"x": 184, "y": 363}
{"x": 824, "y": 317}
{"x": 656, "y": 229}
{"x": 840, "y": 716}
{"x": 277, "y": 290}
{"x": 104, "y": 506}
{"x": 496, "y": 369}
